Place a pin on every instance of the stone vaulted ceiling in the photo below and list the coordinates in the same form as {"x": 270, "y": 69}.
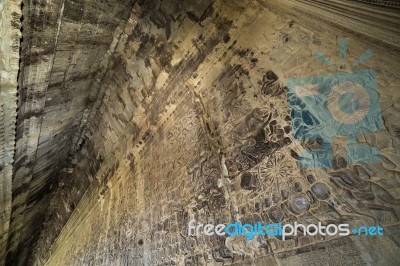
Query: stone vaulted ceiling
{"x": 63, "y": 43}
{"x": 119, "y": 119}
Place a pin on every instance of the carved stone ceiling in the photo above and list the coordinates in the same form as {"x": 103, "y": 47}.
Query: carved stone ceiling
{"x": 120, "y": 119}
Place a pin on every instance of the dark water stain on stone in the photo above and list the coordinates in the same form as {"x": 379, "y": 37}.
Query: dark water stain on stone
{"x": 285, "y": 193}
{"x": 226, "y": 38}
{"x": 310, "y": 179}
{"x": 297, "y": 187}
{"x": 276, "y": 198}
{"x": 271, "y": 85}
{"x": 343, "y": 178}
{"x": 339, "y": 163}
{"x": 275, "y": 214}
{"x": 320, "y": 191}
{"x": 247, "y": 181}
{"x": 294, "y": 154}
{"x": 299, "y": 204}
{"x": 267, "y": 202}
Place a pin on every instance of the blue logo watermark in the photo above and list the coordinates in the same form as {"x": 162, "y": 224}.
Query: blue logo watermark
{"x": 283, "y": 231}
{"x": 343, "y": 104}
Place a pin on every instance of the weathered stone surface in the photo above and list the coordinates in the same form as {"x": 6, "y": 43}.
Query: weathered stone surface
{"x": 10, "y": 16}
{"x": 59, "y": 56}
{"x": 137, "y": 116}
{"x": 320, "y": 191}
{"x": 193, "y": 122}
{"x": 299, "y": 204}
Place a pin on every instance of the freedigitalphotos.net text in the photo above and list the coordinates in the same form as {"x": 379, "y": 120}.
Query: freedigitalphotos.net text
{"x": 283, "y": 230}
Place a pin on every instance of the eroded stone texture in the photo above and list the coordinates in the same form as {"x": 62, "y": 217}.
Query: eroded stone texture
{"x": 191, "y": 120}
{"x": 10, "y": 16}
{"x": 60, "y": 52}
{"x": 137, "y": 116}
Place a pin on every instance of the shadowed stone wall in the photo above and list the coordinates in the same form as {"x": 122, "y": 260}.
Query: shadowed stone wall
{"x": 10, "y": 34}
{"x": 63, "y": 43}
{"x": 136, "y": 116}
{"x": 191, "y": 120}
